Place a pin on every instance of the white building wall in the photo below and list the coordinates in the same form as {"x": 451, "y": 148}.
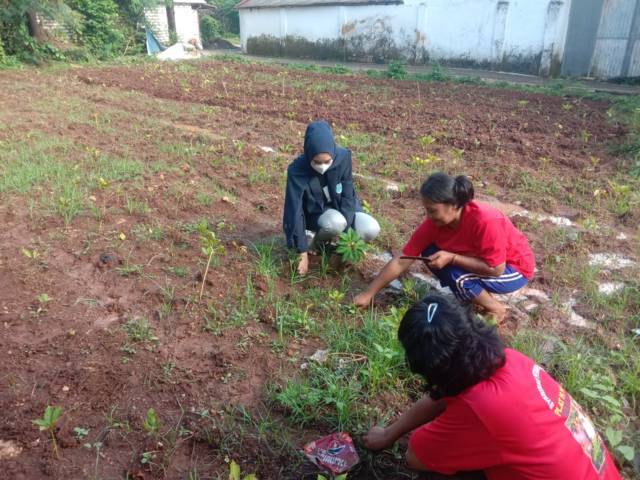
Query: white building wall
{"x": 157, "y": 18}
{"x": 187, "y": 23}
{"x": 512, "y": 33}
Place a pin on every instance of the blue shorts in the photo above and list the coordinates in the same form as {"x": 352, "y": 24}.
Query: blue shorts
{"x": 466, "y": 285}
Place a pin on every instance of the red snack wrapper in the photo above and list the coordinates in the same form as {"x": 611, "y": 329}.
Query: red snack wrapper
{"x": 335, "y": 453}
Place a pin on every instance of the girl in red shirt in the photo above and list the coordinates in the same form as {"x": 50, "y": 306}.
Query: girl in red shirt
{"x": 469, "y": 246}
{"x": 487, "y": 408}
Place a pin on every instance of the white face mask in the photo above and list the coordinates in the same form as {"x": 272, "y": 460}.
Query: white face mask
{"x": 321, "y": 168}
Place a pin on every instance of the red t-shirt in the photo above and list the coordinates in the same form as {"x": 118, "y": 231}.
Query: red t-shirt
{"x": 483, "y": 232}
{"x": 518, "y": 425}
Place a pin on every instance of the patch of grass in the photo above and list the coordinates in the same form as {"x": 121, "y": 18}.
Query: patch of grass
{"x": 139, "y": 332}
{"x": 605, "y": 381}
{"x": 364, "y": 360}
{"x": 268, "y": 264}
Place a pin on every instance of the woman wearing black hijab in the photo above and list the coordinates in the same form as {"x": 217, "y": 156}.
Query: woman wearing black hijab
{"x": 320, "y": 200}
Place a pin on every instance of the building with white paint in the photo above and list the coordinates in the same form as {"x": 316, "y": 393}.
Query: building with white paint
{"x": 182, "y": 18}
{"x": 543, "y": 37}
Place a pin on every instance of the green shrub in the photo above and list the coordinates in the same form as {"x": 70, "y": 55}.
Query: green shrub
{"x": 101, "y": 30}
{"x": 210, "y": 29}
{"x": 396, "y": 70}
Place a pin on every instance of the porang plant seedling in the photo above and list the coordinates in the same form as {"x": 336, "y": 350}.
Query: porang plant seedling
{"x": 211, "y": 248}
{"x": 351, "y": 247}
{"x": 48, "y": 423}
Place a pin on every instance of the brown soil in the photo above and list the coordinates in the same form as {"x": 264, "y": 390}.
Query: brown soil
{"x": 69, "y": 351}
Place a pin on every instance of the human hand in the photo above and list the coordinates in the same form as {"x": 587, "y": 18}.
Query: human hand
{"x": 440, "y": 259}
{"x": 362, "y": 300}
{"x": 377, "y": 438}
{"x": 303, "y": 265}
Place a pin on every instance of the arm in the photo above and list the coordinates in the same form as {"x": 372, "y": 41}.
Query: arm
{"x": 423, "y": 411}
{"x": 390, "y": 272}
{"x": 472, "y": 264}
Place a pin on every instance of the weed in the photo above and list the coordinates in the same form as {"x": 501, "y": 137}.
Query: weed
{"x": 134, "y": 206}
{"x": 48, "y": 424}
{"x": 267, "y": 265}
{"x": 426, "y": 140}
{"x": 80, "y": 433}
{"x": 396, "y": 70}
{"x": 128, "y": 269}
{"x": 337, "y": 70}
{"x": 178, "y": 271}
{"x": 292, "y": 319}
{"x": 151, "y": 423}
{"x": 351, "y": 247}
{"x": 138, "y": 331}
{"x": 235, "y": 474}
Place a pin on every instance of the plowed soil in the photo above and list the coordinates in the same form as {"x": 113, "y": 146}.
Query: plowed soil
{"x": 199, "y": 130}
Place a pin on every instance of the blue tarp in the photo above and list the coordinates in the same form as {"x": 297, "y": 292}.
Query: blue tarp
{"x": 153, "y": 44}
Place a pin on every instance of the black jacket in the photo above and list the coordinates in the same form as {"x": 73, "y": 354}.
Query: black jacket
{"x": 304, "y": 199}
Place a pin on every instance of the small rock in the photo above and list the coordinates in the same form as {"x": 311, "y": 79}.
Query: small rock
{"x": 609, "y": 288}
{"x": 621, "y": 236}
{"x": 9, "y": 449}
{"x": 610, "y": 261}
{"x": 65, "y": 389}
{"x": 185, "y": 167}
{"x": 392, "y": 187}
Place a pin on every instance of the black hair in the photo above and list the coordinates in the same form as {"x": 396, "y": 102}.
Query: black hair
{"x": 443, "y": 188}
{"x": 452, "y": 352}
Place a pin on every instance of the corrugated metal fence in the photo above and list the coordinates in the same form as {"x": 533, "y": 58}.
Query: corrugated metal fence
{"x": 603, "y": 39}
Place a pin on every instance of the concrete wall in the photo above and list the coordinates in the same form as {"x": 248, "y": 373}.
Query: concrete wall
{"x": 517, "y": 35}
{"x": 187, "y": 23}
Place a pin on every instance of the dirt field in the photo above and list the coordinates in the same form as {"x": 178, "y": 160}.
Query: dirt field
{"x": 109, "y": 173}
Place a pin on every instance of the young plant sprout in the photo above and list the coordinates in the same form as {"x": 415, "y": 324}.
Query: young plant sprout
{"x": 211, "y": 248}
{"x": 351, "y": 247}
{"x": 48, "y": 423}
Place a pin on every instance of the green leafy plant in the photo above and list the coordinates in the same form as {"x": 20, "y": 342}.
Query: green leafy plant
{"x": 351, "y": 247}
{"x": 80, "y": 433}
{"x": 396, "y": 70}
{"x": 48, "y": 423}
{"x": 615, "y": 440}
{"x": 211, "y": 247}
{"x": 236, "y": 474}
{"x": 151, "y": 422}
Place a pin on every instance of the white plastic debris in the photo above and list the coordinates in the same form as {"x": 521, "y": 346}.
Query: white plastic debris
{"x": 609, "y": 288}
{"x": 178, "y": 51}
{"x": 382, "y": 257}
{"x": 535, "y": 293}
{"x": 267, "y": 149}
{"x": 560, "y": 221}
{"x": 610, "y": 261}
{"x": 575, "y": 319}
{"x": 392, "y": 187}
{"x": 320, "y": 356}
{"x": 621, "y": 236}
{"x": 432, "y": 282}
